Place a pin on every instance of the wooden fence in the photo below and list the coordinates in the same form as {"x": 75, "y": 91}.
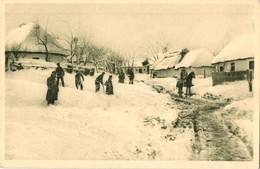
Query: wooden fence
{"x": 220, "y": 77}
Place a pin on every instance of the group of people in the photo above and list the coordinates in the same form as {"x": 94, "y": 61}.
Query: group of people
{"x": 109, "y": 84}
{"x": 53, "y": 84}
{"x": 58, "y": 74}
{"x": 131, "y": 75}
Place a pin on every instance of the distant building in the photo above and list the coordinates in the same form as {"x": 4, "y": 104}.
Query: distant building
{"x": 233, "y": 62}
{"x": 141, "y": 66}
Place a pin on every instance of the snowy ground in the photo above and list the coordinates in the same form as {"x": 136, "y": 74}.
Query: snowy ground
{"x": 133, "y": 124}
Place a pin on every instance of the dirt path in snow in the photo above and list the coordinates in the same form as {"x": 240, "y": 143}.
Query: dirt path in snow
{"x": 216, "y": 137}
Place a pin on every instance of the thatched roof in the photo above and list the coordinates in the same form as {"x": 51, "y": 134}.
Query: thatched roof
{"x": 169, "y": 61}
{"x": 196, "y": 58}
{"x": 241, "y": 47}
{"x": 25, "y": 40}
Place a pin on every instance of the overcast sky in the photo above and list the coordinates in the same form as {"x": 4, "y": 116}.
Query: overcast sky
{"x": 131, "y": 27}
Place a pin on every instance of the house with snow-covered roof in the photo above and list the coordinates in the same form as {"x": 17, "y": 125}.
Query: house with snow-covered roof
{"x": 238, "y": 55}
{"x": 23, "y": 42}
{"x": 235, "y": 59}
{"x": 199, "y": 61}
{"x": 165, "y": 67}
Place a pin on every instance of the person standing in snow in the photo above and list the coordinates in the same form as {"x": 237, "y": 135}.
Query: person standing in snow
{"x": 53, "y": 89}
{"x": 181, "y": 81}
{"x": 79, "y": 78}
{"x": 98, "y": 81}
{"x": 60, "y": 74}
{"x": 121, "y": 77}
{"x": 131, "y": 76}
{"x": 109, "y": 86}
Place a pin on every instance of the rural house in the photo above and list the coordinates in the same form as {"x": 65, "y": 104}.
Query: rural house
{"x": 23, "y": 43}
{"x": 199, "y": 61}
{"x": 165, "y": 67}
{"x": 235, "y": 60}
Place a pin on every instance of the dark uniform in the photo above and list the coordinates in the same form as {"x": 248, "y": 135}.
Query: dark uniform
{"x": 98, "y": 81}
{"x": 181, "y": 81}
{"x": 60, "y": 73}
{"x": 109, "y": 86}
{"x": 79, "y": 78}
{"x": 131, "y": 76}
{"x": 53, "y": 89}
{"x": 121, "y": 77}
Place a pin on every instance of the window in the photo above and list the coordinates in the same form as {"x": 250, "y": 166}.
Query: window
{"x": 221, "y": 68}
{"x": 233, "y": 68}
{"x": 251, "y": 64}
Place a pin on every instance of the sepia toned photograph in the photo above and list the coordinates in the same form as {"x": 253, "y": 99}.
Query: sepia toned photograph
{"x": 140, "y": 81}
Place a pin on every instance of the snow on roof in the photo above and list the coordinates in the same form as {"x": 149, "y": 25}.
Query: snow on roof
{"x": 241, "y": 47}
{"x": 169, "y": 61}
{"x": 18, "y": 35}
{"x": 196, "y": 58}
{"x": 24, "y": 37}
{"x": 156, "y": 63}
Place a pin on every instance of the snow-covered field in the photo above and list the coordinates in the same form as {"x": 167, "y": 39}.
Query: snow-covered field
{"x": 132, "y": 124}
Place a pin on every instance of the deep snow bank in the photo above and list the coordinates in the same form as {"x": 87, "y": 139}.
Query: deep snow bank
{"x": 84, "y": 125}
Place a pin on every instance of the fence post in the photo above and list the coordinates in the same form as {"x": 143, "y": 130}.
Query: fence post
{"x": 249, "y": 79}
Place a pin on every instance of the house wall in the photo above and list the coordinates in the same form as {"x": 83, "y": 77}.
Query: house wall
{"x": 240, "y": 65}
{"x": 171, "y": 72}
{"x": 176, "y": 72}
{"x": 227, "y": 74}
{"x": 141, "y": 70}
{"x": 53, "y": 58}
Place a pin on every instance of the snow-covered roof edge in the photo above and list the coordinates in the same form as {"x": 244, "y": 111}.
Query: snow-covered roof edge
{"x": 241, "y": 47}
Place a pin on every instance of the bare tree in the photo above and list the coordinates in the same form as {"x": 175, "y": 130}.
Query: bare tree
{"x": 43, "y": 38}
{"x": 114, "y": 61}
{"x": 97, "y": 55}
{"x": 154, "y": 48}
{"x": 69, "y": 44}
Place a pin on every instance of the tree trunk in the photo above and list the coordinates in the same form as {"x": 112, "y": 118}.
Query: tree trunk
{"x": 47, "y": 53}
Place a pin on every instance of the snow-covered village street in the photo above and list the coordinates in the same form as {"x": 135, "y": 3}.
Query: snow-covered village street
{"x": 136, "y": 123}
{"x": 142, "y": 84}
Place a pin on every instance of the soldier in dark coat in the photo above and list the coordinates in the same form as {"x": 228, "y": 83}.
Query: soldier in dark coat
{"x": 79, "y": 78}
{"x": 60, "y": 74}
{"x": 53, "y": 89}
{"x": 98, "y": 81}
{"x": 131, "y": 76}
{"x": 109, "y": 86}
{"x": 181, "y": 82}
{"x": 121, "y": 77}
